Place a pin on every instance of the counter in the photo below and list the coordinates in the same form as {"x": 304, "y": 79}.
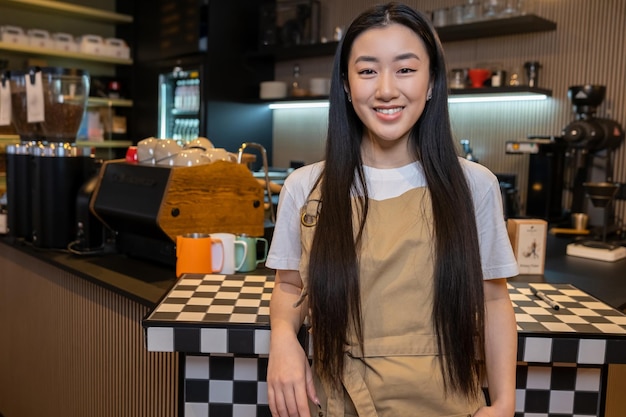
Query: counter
{"x": 221, "y": 325}
{"x": 78, "y": 321}
{"x": 71, "y": 338}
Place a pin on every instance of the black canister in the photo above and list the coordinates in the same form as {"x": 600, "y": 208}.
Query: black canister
{"x": 19, "y": 191}
{"x": 58, "y": 172}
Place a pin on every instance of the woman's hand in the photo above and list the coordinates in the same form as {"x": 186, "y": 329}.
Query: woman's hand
{"x": 289, "y": 379}
{"x": 289, "y": 376}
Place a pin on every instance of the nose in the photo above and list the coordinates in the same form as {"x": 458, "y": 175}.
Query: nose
{"x": 387, "y": 88}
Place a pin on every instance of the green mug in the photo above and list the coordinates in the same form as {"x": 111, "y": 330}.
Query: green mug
{"x": 253, "y": 256}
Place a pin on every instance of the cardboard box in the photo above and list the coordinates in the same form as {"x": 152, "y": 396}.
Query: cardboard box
{"x": 528, "y": 238}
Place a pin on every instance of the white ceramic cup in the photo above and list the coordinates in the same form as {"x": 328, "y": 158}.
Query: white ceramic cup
{"x": 319, "y": 86}
{"x": 273, "y": 89}
{"x": 191, "y": 157}
{"x": 229, "y": 241}
{"x": 199, "y": 143}
{"x": 165, "y": 150}
{"x": 145, "y": 150}
{"x": 220, "y": 154}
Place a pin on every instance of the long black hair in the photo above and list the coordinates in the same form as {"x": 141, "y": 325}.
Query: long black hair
{"x": 334, "y": 299}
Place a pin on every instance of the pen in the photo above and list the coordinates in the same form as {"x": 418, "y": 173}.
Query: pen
{"x": 545, "y": 298}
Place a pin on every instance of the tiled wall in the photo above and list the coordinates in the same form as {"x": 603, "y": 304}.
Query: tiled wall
{"x": 586, "y": 48}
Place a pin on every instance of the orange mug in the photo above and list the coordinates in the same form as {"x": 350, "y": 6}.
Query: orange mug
{"x": 198, "y": 253}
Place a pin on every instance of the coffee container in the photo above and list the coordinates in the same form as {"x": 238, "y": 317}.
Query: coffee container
{"x": 19, "y": 193}
{"x": 57, "y": 173}
{"x": 48, "y": 104}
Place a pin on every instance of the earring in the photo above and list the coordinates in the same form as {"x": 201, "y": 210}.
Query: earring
{"x": 429, "y": 95}
{"x": 349, "y": 98}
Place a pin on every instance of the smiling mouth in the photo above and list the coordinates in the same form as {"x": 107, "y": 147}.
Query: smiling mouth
{"x": 389, "y": 111}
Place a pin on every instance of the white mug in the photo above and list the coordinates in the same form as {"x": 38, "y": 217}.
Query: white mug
{"x": 229, "y": 241}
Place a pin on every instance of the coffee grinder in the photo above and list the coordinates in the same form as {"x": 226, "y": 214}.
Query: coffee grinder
{"x": 46, "y": 169}
{"x": 591, "y": 142}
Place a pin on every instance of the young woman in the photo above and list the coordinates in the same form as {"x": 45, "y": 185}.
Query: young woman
{"x": 393, "y": 249}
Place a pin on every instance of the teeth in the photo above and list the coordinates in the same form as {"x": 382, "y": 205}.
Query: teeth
{"x": 389, "y": 111}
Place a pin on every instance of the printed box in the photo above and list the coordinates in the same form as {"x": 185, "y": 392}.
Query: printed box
{"x": 528, "y": 238}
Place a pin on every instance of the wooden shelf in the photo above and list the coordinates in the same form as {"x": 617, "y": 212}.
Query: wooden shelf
{"x": 67, "y": 9}
{"x": 480, "y": 29}
{"x": 109, "y": 102}
{"x": 32, "y": 50}
{"x": 521, "y": 90}
{"x": 9, "y": 138}
{"x": 495, "y": 27}
{"x": 111, "y": 144}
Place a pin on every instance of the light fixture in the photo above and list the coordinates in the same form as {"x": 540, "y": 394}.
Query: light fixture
{"x": 490, "y": 98}
{"x": 300, "y": 105}
{"x": 452, "y": 98}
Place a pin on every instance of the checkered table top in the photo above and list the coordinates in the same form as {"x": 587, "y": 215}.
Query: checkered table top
{"x": 579, "y": 312}
{"x": 244, "y": 300}
{"x": 217, "y": 299}
{"x": 230, "y": 314}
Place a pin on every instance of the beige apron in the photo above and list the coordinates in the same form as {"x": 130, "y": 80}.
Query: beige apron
{"x": 398, "y": 372}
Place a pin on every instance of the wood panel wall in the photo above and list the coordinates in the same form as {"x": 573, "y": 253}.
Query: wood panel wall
{"x": 586, "y": 48}
{"x": 69, "y": 348}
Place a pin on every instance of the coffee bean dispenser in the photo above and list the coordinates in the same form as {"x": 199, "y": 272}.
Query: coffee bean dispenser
{"x": 46, "y": 169}
{"x": 48, "y": 104}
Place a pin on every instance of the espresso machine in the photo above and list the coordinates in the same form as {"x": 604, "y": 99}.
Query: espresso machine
{"x": 46, "y": 169}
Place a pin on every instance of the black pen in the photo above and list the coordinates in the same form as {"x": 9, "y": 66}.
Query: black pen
{"x": 545, "y": 298}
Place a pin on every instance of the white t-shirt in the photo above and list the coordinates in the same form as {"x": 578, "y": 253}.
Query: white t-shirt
{"x": 496, "y": 254}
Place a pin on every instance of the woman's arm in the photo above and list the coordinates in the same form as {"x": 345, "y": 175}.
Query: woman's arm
{"x": 289, "y": 377}
{"x": 500, "y": 349}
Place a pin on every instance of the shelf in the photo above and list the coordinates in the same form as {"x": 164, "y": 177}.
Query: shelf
{"x": 66, "y": 9}
{"x": 497, "y": 94}
{"x": 10, "y": 139}
{"x": 495, "y": 27}
{"x": 105, "y": 144}
{"x": 475, "y": 30}
{"x": 27, "y": 49}
{"x": 109, "y": 102}
{"x": 521, "y": 91}
{"x": 299, "y": 51}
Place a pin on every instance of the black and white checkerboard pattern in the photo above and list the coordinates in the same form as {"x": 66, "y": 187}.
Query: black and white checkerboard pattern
{"x": 559, "y": 390}
{"x": 213, "y": 314}
{"x": 582, "y": 331}
{"x": 221, "y": 322}
{"x": 579, "y": 312}
{"x": 218, "y": 299}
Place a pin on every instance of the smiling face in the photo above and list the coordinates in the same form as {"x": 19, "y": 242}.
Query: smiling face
{"x": 388, "y": 80}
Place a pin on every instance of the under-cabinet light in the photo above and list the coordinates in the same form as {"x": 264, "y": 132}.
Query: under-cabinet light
{"x": 469, "y": 98}
{"x": 482, "y": 98}
{"x": 300, "y": 105}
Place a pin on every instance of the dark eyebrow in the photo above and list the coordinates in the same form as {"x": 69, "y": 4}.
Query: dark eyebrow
{"x": 400, "y": 57}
